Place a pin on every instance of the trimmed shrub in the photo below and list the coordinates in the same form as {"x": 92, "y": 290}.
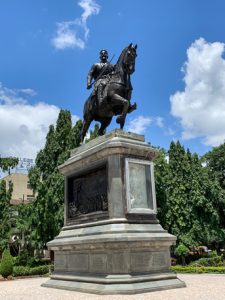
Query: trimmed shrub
{"x": 181, "y": 251}
{"x": 6, "y": 268}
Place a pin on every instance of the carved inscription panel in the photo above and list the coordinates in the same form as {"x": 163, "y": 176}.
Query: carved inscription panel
{"x": 120, "y": 263}
{"x": 61, "y": 263}
{"x": 98, "y": 263}
{"x": 77, "y": 262}
{"x": 148, "y": 261}
{"x": 141, "y": 262}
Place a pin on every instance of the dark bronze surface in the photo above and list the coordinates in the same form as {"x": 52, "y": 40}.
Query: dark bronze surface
{"x": 89, "y": 194}
{"x": 112, "y": 90}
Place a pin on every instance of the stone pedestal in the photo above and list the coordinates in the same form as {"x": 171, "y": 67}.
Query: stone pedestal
{"x": 111, "y": 242}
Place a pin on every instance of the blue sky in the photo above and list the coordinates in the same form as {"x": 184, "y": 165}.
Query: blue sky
{"x": 47, "y": 48}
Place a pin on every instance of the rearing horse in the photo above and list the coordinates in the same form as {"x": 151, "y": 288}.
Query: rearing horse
{"x": 117, "y": 95}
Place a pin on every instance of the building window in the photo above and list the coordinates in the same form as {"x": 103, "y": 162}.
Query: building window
{"x": 28, "y": 185}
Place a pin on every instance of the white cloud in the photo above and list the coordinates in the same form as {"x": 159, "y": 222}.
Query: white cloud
{"x": 75, "y": 33}
{"x": 201, "y": 106}
{"x": 169, "y": 131}
{"x": 29, "y": 92}
{"x": 23, "y": 126}
{"x": 9, "y": 96}
{"x": 139, "y": 125}
{"x": 66, "y": 37}
{"x": 159, "y": 122}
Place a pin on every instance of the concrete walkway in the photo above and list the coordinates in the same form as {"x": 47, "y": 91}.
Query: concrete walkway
{"x": 199, "y": 287}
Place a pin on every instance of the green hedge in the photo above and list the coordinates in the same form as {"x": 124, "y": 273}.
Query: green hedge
{"x": 215, "y": 261}
{"x": 27, "y": 271}
{"x": 24, "y": 259}
{"x": 198, "y": 269}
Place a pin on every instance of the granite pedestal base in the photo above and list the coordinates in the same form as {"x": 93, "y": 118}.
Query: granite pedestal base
{"x": 112, "y": 242}
{"x": 116, "y": 258}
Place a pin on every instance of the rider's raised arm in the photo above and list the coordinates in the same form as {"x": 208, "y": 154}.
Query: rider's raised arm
{"x": 90, "y": 76}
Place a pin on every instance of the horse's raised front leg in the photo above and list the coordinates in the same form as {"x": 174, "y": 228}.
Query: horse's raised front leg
{"x": 125, "y": 103}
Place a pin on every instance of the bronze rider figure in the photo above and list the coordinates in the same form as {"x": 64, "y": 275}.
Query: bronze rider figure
{"x": 100, "y": 73}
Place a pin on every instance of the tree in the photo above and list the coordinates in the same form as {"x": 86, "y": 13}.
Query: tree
{"x": 215, "y": 219}
{"x": 204, "y": 195}
{"x": 215, "y": 161}
{"x": 6, "y": 210}
{"x": 94, "y": 133}
{"x": 5, "y": 214}
{"x": 215, "y": 167}
{"x": 191, "y": 201}
{"x": 48, "y": 183}
{"x": 177, "y": 218}
{"x": 182, "y": 251}
{"x": 6, "y": 163}
{"x": 23, "y": 226}
{"x": 161, "y": 171}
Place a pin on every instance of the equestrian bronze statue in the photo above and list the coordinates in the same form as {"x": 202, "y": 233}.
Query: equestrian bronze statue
{"x": 112, "y": 90}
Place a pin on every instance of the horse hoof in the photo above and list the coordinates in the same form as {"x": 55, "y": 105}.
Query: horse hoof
{"x": 132, "y": 107}
{"x": 100, "y": 133}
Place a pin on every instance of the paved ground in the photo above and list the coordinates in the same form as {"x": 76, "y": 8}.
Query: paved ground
{"x": 199, "y": 287}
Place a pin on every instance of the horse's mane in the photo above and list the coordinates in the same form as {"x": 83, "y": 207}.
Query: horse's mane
{"x": 118, "y": 65}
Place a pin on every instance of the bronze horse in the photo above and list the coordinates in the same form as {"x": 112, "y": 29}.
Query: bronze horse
{"x": 117, "y": 95}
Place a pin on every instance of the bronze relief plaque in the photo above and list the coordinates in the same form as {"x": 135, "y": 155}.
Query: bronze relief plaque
{"x": 87, "y": 193}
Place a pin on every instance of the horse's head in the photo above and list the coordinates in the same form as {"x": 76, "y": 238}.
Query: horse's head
{"x": 129, "y": 58}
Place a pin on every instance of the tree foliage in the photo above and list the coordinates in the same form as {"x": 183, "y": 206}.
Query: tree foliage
{"x": 93, "y": 133}
{"x": 23, "y": 226}
{"x": 6, "y": 163}
{"x": 5, "y": 214}
{"x": 48, "y": 183}
{"x": 215, "y": 161}
{"x": 6, "y": 209}
{"x": 190, "y": 198}
{"x": 181, "y": 251}
{"x": 40, "y": 221}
